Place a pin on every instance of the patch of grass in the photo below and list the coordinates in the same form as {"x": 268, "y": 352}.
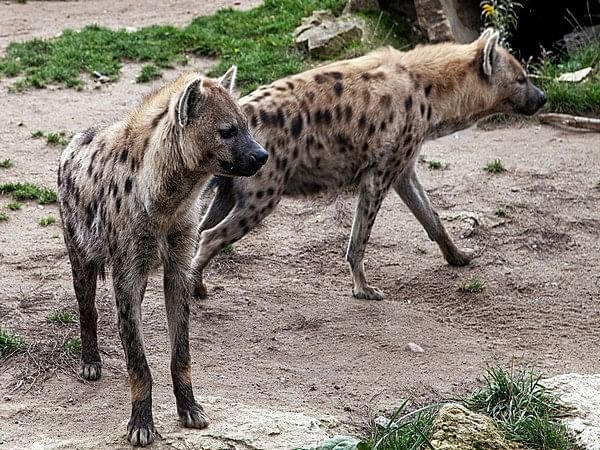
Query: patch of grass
{"x": 37, "y": 134}
{"x": 524, "y": 408}
{"x": 72, "y": 347}
{"x": 229, "y": 249}
{"x": 259, "y": 41}
{"x": 500, "y": 212}
{"x": 48, "y": 220}
{"x": 57, "y": 138}
{"x": 3, "y": 217}
{"x": 14, "y": 206}
{"x": 473, "y": 286}
{"x": 434, "y": 164}
{"x": 62, "y": 317}
{"x": 572, "y": 98}
{"x": 9, "y": 342}
{"x": 495, "y": 166}
{"x": 6, "y": 163}
{"x": 148, "y": 73}
{"x": 28, "y": 191}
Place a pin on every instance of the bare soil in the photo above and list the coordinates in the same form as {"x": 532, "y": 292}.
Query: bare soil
{"x": 281, "y": 328}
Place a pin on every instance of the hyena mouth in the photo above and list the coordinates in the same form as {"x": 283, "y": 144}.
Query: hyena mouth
{"x": 229, "y": 168}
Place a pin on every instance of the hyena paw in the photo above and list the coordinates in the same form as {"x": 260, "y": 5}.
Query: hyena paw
{"x": 461, "y": 257}
{"x": 200, "y": 291}
{"x": 194, "y": 417}
{"x": 91, "y": 370}
{"x": 368, "y": 293}
{"x": 140, "y": 433}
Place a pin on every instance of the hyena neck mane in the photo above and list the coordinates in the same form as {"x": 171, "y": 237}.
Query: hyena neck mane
{"x": 454, "y": 84}
{"x": 171, "y": 173}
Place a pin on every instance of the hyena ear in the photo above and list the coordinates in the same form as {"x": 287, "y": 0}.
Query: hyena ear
{"x": 489, "y": 51}
{"x": 228, "y": 79}
{"x": 191, "y": 96}
{"x": 486, "y": 33}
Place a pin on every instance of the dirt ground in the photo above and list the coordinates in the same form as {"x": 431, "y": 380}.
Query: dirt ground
{"x": 281, "y": 328}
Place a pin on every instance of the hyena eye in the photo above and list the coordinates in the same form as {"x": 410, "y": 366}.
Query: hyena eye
{"x": 521, "y": 79}
{"x": 228, "y": 133}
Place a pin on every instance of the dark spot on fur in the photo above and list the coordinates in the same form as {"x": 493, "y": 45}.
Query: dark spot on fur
{"x": 115, "y": 188}
{"x": 408, "y": 103}
{"x": 118, "y": 204}
{"x": 407, "y": 140}
{"x": 124, "y": 155}
{"x": 259, "y": 194}
{"x": 371, "y": 130}
{"x": 320, "y": 78}
{"x": 429, "y": 113}
{"x": 335, "y": 75}
{"x": 348, "y": 113}
{"x": 400, "y": 68}
{"x": 386, "y": 100}
{"x": 243, "y": 222}
{"x": 366, "y": 76}
{"x": 290, "y": 85}
{"x": 128, "y": 185}
{"x": 296, "y": 125}
{"x": 159, "y": 117}
{"x": 338, "y": 88}
{"x": 422, "y": 109}
{"x": 427, "y": 90}
{"x": 253, "y": 121}
{"x": 382, "y": 126}
{"x": 310, "y": 95}
{"x": 270, "y": 192}
{"x": 280, "y": 118}
{"x": 265, "y": 117}
{"x": 362, "y": 121}
{"x": 338, "y": 112}
{"x": 295, "y": 153}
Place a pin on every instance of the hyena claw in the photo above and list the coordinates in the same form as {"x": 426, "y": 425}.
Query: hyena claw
{"x": 194, "y": 417}
{"x": 368, "y": 293}
{"x": 461, "y": 257}
{"x": 141, "y": 434}
{"x": 91, "y": 371}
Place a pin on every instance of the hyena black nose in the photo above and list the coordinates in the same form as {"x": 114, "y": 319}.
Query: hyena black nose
{"x": 260, "y": 155}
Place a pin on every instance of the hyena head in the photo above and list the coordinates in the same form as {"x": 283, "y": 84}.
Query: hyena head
{"x": 214, "y": 129}
{"x": 507, "y": 80}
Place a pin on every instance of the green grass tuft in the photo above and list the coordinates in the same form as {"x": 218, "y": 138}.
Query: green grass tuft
{"x": 494, "y": 166}
{"x": 229, "y": 249}
{"x": 48, "y": 220}
{"x": 14, "y": 206}
{"x": 259, "y": 41}
{"x": 473, "y": 286}
{"x": 434, "y": 164}
{"x": 72, "y": 347}
{"x": 148, "y": 73}
{"x": 28, "y": 191}
{"x": 526, "y": 410}
{"x": 6, "y": 164}
{"x": 37, "y": 134}
{"x": 3, "y": 217}
{"x": 9, "y": 342}
{"x": 62, "y": 317}
{"x": 500, "y": 212}
{"x": 57, "y": 138}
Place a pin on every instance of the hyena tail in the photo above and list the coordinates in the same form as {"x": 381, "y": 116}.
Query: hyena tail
{"x": 221, "y": 205}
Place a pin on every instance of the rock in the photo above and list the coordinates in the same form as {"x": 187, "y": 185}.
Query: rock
{"x": 575, "y": 77}
{"x": 457, "y": 428}
{"x": 582, "y": 392}
{"x": 415, "y": 348}
{"x": 361, "y": 5}
{"x": 449, "y": 20}
{"x": 322, "y": 35}
{"x": 233, "y": 425}
{"x": 576, "y": 39}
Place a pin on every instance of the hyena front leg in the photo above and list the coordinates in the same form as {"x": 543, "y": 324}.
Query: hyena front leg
{"x": 412, "y": 193}
{"x": 129, "y": 285}
{"x": 85, "y": 276}
{"x": 177, "y": 285}
{"x": 370, "y": 196}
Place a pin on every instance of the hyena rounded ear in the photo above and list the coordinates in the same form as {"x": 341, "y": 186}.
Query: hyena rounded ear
{"x": 489, "y": 52}
{"x": 190, "y": 97}
{"x": 486, "y": 34}
{"x": 228, "y": 79}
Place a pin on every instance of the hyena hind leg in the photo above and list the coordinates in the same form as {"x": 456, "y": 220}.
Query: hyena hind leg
{"x": 85, "y": 276}
{"x": 412, "y": 193}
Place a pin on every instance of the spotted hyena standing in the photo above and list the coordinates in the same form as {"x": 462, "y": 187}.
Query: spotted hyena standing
{"x": 363, "y": 121}
{"x": 127, "y": 195}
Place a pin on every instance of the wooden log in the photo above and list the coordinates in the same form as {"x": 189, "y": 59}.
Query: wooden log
{"x": 569, "y": 122}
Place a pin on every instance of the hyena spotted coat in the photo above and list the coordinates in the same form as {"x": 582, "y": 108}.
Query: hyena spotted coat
{"x": 127, "y": 194}
{"x": 362, "y": 122}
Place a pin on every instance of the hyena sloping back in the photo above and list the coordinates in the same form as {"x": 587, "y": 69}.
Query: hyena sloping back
{"x": 127, "y": 195}
{"x": 363, "y": 121}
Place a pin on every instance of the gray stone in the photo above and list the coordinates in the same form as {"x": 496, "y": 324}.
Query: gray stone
{"x": 576, "y": 39}
{"x": 415, "y": 348}
{"x": 361, "y": 5}
{"x": 322, "y": 35}
{"x": 233, "y": 426}
{"x": 457, "y": 428}
{"x": 449, "y": 20}
{"x": 582, "y": 392}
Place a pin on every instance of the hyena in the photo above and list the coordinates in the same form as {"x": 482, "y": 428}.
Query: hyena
{"x": 362, "y": 122}
{"x": 127, "y": 194}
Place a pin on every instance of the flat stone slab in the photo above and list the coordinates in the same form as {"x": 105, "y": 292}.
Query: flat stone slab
{"x": 582, "y": 392}
{"x": 322, "y": 35}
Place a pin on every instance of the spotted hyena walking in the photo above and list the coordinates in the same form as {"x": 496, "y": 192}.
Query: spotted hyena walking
{"x": 363, "y": 121}
{"x": 126, "y": 200}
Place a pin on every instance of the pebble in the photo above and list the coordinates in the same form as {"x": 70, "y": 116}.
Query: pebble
{"x": 411, "y": 346}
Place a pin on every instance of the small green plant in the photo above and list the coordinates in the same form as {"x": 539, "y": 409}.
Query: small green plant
{"x": 495, "y": 166}
{"x": 72, "y": 347}
{"x": 3, "y": 217}
{"x": 9, "y": 342}
{"x": 434, "y": 164}
{"x": 500, "y": 212}
{"x": 57, "y": 138}
{"x": 62, "y": 316}
{"x": 148, "y": 73}
{"x": 48, "y": 220}
{"x": 229, "y": 249}
{"x": 14, "y": 206}
{"x": 528, "y": 412}
{"x": 473, "y": 286}
{"x": 37, "y": 134}
{"x": 502, "y": 16}
{"x": 6, "y": 163}
{"x": 28, "y": 191}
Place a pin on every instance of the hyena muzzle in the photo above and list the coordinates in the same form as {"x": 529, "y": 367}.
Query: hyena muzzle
{"x": 127, "y": 194}
{"x": 362, "y": 122}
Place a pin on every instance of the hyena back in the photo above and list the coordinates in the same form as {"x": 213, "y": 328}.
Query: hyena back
{"x": 363, "y": 121}
{"x": 127, "y": 195}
